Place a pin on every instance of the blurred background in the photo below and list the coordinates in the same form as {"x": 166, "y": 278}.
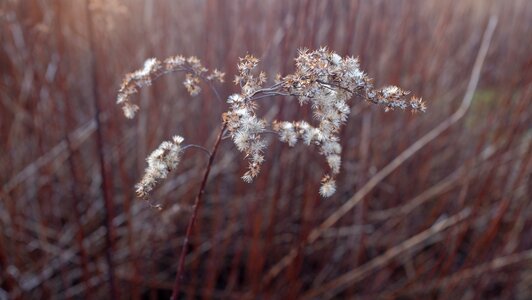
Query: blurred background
{"x": 450, "y": 222}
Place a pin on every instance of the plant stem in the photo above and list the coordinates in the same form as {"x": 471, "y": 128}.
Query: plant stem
{"x": 197, "y": 202}
{"x": 106, "y": 185}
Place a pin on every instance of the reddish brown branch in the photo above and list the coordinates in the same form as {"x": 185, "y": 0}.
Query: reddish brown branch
{"x": 106, "y": 183}
{"x": 197, "y": 202}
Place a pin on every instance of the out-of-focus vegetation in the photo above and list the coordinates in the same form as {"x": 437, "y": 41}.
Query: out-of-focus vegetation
{"x": 70, "y": 228}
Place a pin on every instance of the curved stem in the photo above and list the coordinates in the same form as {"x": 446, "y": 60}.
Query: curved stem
{"x": 197, "y": 147}
{"x": 197, "y": 202}
{"x": 270, "y": 94}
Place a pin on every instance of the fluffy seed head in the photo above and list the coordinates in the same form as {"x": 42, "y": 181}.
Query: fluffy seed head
{"x": 328, "y": 186}
{"x": 160, "y": 162}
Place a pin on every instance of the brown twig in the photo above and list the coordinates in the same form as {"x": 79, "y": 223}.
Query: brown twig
{"x": 105, "y": 184}
{"x": 197, "y": 202}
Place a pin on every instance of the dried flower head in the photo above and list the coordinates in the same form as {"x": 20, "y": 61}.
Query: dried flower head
{"x": 323, "y": 79}
{"x": 161, "y": 161}
{"x": 328, "y": 186}
{"x": 153, "y": 68}
{"x": 244, "y": 126}
{"x": 326, "y": 81}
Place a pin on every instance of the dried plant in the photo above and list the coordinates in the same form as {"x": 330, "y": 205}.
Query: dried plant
{"x": 154, "y": 68}
{"x": 160, "y": 162}
{"x": 323, "y": 79}
{"x": 427, "y": 205}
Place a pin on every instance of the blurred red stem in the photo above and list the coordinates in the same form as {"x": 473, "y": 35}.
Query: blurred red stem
{"x": 105, "y": 184}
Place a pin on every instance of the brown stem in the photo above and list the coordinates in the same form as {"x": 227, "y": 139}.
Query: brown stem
{"x": 197, "y": 202}
{"x": 105, "y": 184}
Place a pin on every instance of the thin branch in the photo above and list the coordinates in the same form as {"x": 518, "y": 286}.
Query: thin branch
{"x": 352, "y": 92}
{"x": 197, "y": 202}
{"x": 197, "y": 147}
{"x": 271, "y": 94}
{"x": 265, "y": 90}
{"x": 106, "y": 186}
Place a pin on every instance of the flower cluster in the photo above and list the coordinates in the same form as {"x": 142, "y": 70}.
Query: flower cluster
{"x": 326, "y": 81}
{"x": 153, "y": 68}
{"x": 244, "y": 126}
{"x": 160, "y": 162}
{"x": 291, "y": 132}
{"x": 323, "y": 69}
{"x": 322, "y": 78}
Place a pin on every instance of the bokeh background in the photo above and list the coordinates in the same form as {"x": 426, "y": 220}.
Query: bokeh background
{"x": 451, "y": 222}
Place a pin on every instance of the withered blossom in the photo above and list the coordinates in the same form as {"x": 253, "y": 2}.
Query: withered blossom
{"x": 322, "y": 79}
{"x": 154, "y": 68}
{"x": 161, "y": 161}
